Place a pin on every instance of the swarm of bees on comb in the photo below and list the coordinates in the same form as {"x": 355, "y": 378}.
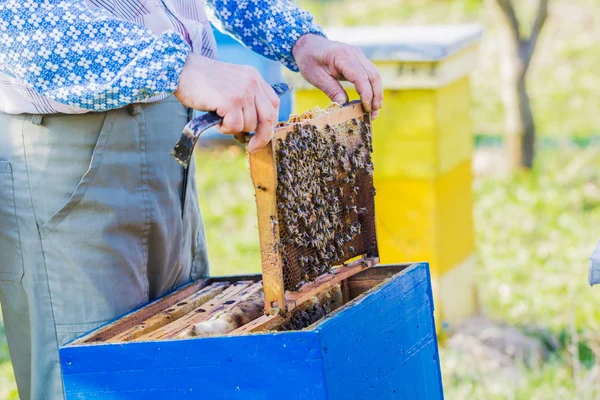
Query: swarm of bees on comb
{"x": 324, "y": 195}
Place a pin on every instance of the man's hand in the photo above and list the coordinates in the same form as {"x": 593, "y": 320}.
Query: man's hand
{"x": 237, "y": 93}
{"x": 324, "y": 63}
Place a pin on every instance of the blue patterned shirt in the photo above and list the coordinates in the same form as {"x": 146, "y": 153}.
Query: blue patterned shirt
{"x": 75, "y": 56}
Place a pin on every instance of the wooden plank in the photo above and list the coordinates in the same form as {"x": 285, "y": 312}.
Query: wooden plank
{"x": 225, "y": 314}
{"x": 198, "y": 314}
{"x": 172, "y": 313}
{"x": 264, "y": 178}
{"x": 137, "y": 316}
{"x": 306, "y": 292}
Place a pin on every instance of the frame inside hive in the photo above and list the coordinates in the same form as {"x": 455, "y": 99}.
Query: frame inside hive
{"x": 281, "y": 261}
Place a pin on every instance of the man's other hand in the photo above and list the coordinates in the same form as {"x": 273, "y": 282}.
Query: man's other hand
{"x": 324, "y": 63}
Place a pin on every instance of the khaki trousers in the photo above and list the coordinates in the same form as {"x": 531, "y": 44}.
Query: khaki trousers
{"x": 96, "y": 219}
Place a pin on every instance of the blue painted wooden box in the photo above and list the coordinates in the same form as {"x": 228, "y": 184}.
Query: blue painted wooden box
{"x": 380, "y": 345}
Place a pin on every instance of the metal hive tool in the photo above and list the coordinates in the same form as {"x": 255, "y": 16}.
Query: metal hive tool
{"x": 315, "y": 199}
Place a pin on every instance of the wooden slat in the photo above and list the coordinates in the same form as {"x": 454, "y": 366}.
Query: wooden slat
{"x": 306, "y": 292}
{"x": 137, "y": 316}
{"x": 198, "y": 314}
{"x": 232, "y": 302}
{"x": 264, "y": 177}
{"x": 172, "y": 313}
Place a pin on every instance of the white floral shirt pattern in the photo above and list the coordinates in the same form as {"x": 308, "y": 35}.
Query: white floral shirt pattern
{"x": 75, "y": 56}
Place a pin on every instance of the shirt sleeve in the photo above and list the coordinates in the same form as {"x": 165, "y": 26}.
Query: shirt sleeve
{"x": 268, "y": 27}
{"x": 82, "y": 57}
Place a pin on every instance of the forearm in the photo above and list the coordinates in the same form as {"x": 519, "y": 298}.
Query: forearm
{"x": 82, "y": 57}
{"x": 268, "y": 27}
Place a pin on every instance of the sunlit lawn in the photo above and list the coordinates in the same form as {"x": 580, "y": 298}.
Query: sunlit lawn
{"x": 534, "y": 235}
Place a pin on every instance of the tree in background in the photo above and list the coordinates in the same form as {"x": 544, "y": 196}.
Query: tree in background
{"x": 520, "y": 125}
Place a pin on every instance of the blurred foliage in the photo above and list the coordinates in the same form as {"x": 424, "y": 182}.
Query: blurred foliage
{"x": 534, "y": 234}
{"x": 563, "y": 82}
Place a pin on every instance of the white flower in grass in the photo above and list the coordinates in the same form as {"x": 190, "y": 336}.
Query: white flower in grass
{"x": 69, "y": 65}
{"x": 74, "y": 78}
{"x": 84, "y": 62}
{"x": 56, "y": 34}
{"x": 107, "y": 74}
{"x": 42, "y": 83}
{"x": 61, "y": 50}
{"x": 101, "y": 60}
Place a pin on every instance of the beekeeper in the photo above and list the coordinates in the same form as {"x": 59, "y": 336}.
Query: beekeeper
{"x": 96, "y": 218}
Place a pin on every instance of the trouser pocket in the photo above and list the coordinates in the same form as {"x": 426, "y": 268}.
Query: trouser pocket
{"x": 11, "y": 258}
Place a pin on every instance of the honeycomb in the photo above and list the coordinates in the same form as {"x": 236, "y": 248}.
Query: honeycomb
{"x": 324, "y": 196}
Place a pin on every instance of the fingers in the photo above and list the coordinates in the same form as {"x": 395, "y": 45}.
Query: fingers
{"x": 233, "y": 122}
{"x": 334, "y": 90}
{"x": 273, "y": 98}
{"x": 267, "y": 118}
{"x": 351, "y": 68}
{"x": 374, "y": 79}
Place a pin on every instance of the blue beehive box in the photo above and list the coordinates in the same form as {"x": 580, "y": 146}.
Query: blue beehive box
{"x": 380, "y": 345}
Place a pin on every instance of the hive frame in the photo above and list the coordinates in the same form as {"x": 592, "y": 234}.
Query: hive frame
{"x": 263, "y": 170}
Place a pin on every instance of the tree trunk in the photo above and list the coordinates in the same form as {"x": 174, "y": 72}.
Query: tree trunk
{"x": 528, "y": 125}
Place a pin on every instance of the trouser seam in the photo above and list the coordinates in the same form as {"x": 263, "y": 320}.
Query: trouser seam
{"x": 146, "y": 200}
{"x": 41, "y": 246}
